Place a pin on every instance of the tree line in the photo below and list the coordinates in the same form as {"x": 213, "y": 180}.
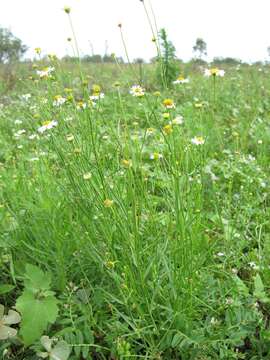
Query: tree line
{"x": 12, "y": 49}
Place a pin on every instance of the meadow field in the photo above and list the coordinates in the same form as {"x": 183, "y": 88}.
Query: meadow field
{"x": 134, "y": 217}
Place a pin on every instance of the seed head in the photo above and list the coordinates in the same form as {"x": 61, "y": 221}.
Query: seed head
{"x": 67, "y": 9}
{"x": 38, "y": 50}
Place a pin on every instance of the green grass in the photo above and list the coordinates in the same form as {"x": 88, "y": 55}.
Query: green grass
{"x": 177, "y": 267}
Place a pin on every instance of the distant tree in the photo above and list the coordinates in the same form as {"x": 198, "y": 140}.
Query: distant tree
{"x": 226, "y": 60}
{"x": 11, "y": 48}
{"x": 108, "y": 58}
{"x": 153, "y": 60}
{"x": 138, "y": 61}
{"x": 200, "y": 48}
{"x": 268, "y": 51}
{"x": 69, "y": 59}
{"x": 92, "y": 58}
{"x": 120, "y": 60}
{"x": 198, "y": 62}
{"x": 258, "y": 63}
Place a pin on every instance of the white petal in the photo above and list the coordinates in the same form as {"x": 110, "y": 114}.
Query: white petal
{"x": 11, "y": 318}
{"x": 46, "y": 343}
{"x": 42, "y": 355}
{"x": 7, "y": 332}
{"x": 61, "y": 351}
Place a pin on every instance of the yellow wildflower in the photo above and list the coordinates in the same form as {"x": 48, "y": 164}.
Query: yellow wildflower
{"x": 126, "y": 163}
{"x": 96, "y": 89}
{"x": 108, "y": 203}
{"x": 167, "y": 129}
{"x": 169, "y": 104}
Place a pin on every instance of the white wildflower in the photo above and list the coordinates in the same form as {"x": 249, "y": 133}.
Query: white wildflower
{"x": 137, "y": 91}
{"x": 47, "y": 125}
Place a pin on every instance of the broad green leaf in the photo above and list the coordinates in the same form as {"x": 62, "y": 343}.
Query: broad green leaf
{"x": 36, "y": 315}
{"x": 36, "y": 279}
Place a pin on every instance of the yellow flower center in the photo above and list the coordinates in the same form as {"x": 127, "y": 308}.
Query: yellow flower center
{"x": 126, "y": 163}
{"x": 45, "y": 123}
{"x": 96, "y": 89}
{"x": 168, "y": 103}
{"x": 214, "y": 71}
{"x": 180, "y": 78}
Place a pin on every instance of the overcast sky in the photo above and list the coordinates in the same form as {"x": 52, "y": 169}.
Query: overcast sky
{"x": 236, "y": 28}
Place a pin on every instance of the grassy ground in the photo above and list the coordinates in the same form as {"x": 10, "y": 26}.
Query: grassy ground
{"x": 152, "y": 222}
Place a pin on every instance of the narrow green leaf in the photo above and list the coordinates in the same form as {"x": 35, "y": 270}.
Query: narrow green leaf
{"x": 6, "y": 288}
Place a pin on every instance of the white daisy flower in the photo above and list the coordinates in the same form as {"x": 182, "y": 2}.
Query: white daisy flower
{"x": 198, "y": 140}
{"x": 181, "y": 80}
{"x": 47, "y": 125}
{"x": 25, "y": 97}
{"x": 59, "y": 100}
{"x": 179, "y": 120}
{"x": 214, "y": 72}
{"x": 97, "y": 97}
{"x": 156, "y": 156}
{"x": 137, "y": 91}
{"x": 46, "y": 72}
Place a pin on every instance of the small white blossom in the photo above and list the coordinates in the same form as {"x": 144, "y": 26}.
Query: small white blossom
{"x": 156, "y": 156}
{"x": 181, "y": 80}
{"x": 179, "y": 120}
{"x": 47, "y": 125}
{"x": 198, "y": 140}
{"x": 253, "y": 265}
{"x": 25, "y": 97}
{"x": 97, "y": 97}
{"x": 137, "y": 91}
{"x": 19, "y": 133}
{"x": 32, "y": 137}
{"x": 220, "y": 254}
{"x": 214, "y": 72}
{"x": 59, "y": 100}
{"x": 46, "y": 72}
